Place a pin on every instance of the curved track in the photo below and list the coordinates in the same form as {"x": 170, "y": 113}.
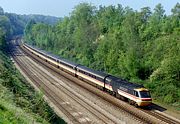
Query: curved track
{"x": 51, "y": 85}
{"x": 161, "y": 116}
{"x": 146, "y": 116}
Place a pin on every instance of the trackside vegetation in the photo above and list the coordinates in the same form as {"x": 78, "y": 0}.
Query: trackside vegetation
{"x": 19, "y": 102}
{"x": 140, "y": 46}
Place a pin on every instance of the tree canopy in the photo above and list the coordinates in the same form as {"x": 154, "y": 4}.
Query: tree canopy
{"x": 142, "y": 46}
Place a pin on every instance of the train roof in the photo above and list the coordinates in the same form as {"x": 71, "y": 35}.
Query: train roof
{"x": 49, "y": 54}
{"x": 92, "y": 72}
{"x": 123, "y": 83}
{"x": 99, "y": 74}
{"x": 67, "y": 62}
{"x": 36, "y": 49}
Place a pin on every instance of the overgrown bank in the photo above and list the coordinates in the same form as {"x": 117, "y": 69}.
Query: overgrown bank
{"x": 19, "y": 102}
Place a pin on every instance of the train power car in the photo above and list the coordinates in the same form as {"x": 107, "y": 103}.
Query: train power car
{"x": 135, "y": 94}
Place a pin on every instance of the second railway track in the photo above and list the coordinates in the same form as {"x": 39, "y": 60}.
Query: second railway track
{"x": 51, "y": 85}
{"x": 51, "y": 95}
{"x": 52, "y": 80}
{"x": 105, "y": 118}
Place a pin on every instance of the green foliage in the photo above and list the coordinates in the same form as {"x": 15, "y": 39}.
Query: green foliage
{"x": 5, "y": 25}
{"x": 19, "y": 102}
{"x": 1, "y": 11}
{"x": 138, "y": 46}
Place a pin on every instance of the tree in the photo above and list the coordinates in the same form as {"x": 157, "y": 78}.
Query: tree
{"x": 176, "y": 10}
{"x": 176, "y": 18}
{"x": 159, "y": 12}
{"x": 28, "y": 32}
{"x": 155, "y": 23}
{"x": 1, "y": 11}
{"x": 5, "y": 25}
{"x": 2, "y": 38}
{"x": 109, "y": 17}
{"x": 83, "y": 14}
{"x": 145, "y": 14}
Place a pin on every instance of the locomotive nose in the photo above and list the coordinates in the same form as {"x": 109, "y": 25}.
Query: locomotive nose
{"x": 146, "y": 99}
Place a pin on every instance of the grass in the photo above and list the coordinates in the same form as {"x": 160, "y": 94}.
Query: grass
{"x": 19, "y": 102}
{"x": 10, "y": 113}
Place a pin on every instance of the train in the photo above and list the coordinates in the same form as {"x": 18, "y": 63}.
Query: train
{"x": 135, "y": 94}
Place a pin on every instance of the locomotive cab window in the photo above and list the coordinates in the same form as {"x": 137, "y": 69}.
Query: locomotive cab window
{"x": 145, "y": 94}
{"x": 136, "y": 94}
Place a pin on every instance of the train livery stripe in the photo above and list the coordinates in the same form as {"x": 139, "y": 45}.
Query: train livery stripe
{"x": 109, "y": 87}
{"x": 52, "y": 61}
{"x": 100, "y": 83}
{"x": 127, "y": 95}
{"x": 91, "y": 79}
{"x": 67, "y": 68}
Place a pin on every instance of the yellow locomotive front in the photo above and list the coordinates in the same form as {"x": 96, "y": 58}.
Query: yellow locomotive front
{"x": 144, "y": 97}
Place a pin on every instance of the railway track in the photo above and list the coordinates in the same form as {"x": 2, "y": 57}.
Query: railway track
{"x": 51, "y": 95}
{"x": 161, "y": 116}
{"x": 158, "y": 118}
{"x": 73, "y": 95}
{"x": 50, "y": 83}
{"x": 87, "y": 86}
